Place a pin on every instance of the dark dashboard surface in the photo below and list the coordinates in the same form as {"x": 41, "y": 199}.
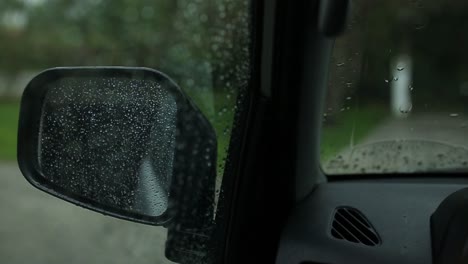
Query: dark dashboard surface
{"x": 398, "y": 211}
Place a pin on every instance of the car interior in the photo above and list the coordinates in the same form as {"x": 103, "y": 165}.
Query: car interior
{"x": 360, "y": 218}
{"x": 389, "y": 196}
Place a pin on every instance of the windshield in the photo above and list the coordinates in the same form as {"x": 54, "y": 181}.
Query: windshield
{"x": 397, "y": 98}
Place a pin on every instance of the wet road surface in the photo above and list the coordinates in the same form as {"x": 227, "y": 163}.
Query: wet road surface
{"x": 38, "y": 228}
{"x": 420, "y": 142}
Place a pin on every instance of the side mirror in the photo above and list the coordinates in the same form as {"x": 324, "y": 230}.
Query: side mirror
{"x": 125, "y": 142}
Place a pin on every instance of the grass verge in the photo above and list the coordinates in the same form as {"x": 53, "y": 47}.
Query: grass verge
{"x": 349, "y": 125}
{"x": 9, "y": 114}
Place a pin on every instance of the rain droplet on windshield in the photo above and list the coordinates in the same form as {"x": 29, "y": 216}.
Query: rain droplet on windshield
{"x": 340, "y": 64}
{"x": 400, "y": 68}
{"x": 454, "y": 115}
{"x": 395, "y": 78}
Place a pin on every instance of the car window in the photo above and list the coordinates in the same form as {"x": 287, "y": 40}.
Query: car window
{"x": 202, "y": 45}
{"x": 397, "y": 90}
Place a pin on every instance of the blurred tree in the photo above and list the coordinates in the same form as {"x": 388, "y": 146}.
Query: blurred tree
{"x": 430, "y": 31}
{"x": 203, "y": 38}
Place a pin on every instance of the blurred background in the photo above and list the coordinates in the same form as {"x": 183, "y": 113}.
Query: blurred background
{"x": 400, "y": 72}
{"x": 202, "y": 45}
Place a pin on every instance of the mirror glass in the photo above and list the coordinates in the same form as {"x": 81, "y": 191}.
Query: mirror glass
{"x": 110, "y": 140}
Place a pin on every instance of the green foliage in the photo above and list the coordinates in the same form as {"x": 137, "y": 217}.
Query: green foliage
{"x": 9, "y": 113}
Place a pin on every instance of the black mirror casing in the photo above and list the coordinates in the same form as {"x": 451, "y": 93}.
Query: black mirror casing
{"x": 191, "y": 186}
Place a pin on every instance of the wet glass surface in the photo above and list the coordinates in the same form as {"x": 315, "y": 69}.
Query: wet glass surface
{"x": 398, "y": 75}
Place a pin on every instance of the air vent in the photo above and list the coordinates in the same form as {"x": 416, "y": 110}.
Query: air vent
{"x": 351, "y": 225}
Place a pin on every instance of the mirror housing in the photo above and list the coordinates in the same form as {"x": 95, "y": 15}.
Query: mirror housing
{"x": 125, "y": 142}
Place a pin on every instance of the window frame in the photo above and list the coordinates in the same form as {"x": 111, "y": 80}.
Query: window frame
{"x": 274, "y": 158}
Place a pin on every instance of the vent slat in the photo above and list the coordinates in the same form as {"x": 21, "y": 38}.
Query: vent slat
{"x": 351, "y": 225}
{"x": 365, "y": 229}
{"x": 336, "y": 234}
{"x": 358, "y": 218}
{"x": 362, "y": 236}
{"x": 345, "y": 232}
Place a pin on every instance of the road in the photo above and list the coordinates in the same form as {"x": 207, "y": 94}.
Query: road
{"x": 38, "y": 228}
{"x": 420, "y": 142}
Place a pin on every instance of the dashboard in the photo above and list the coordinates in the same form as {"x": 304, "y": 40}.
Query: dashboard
{"x": 332, "y": 224}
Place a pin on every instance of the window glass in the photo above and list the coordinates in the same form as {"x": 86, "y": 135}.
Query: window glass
{"x": 202, "y": 45}
{"x": 398, "y": 90}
